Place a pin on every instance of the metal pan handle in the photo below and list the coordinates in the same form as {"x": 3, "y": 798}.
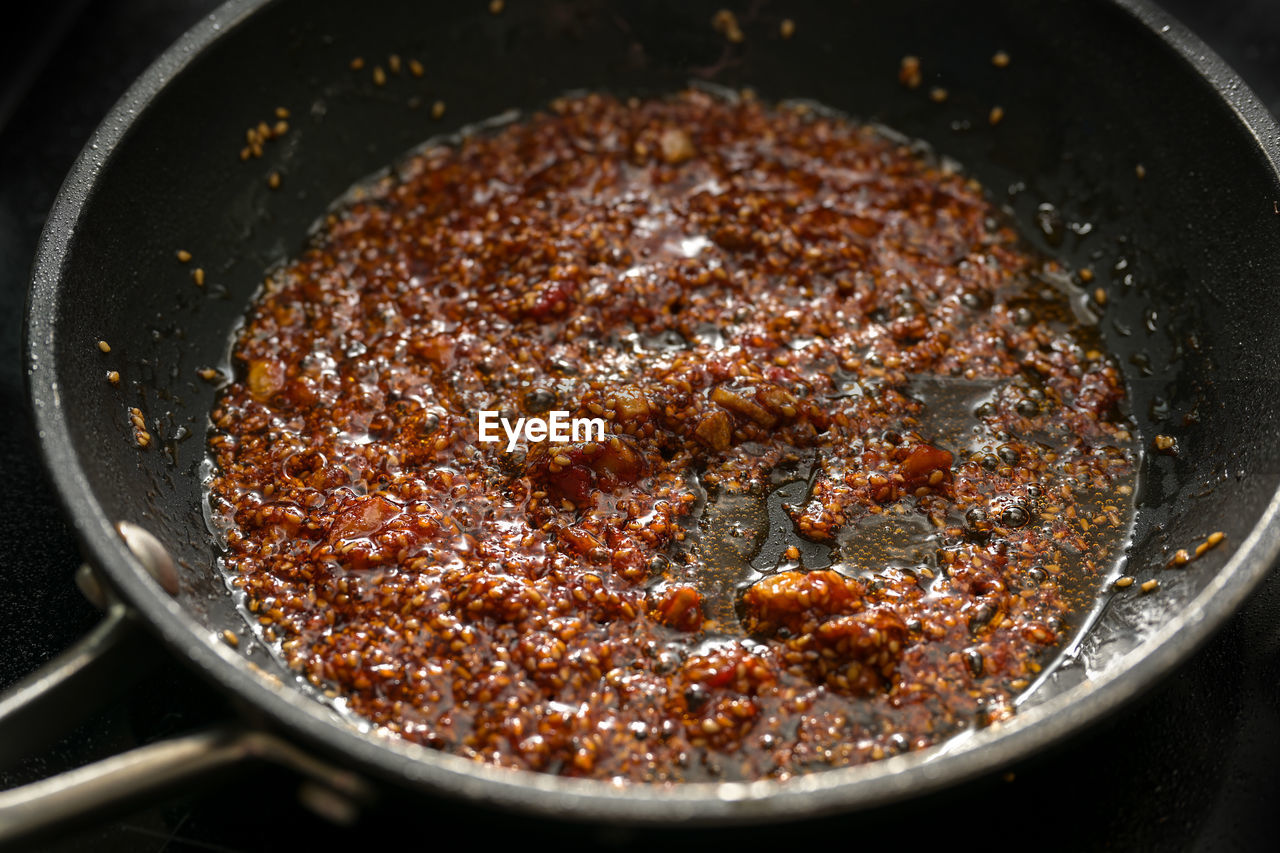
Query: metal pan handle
{"x": 51, "y": 701}
{"x": 160, "y": 770}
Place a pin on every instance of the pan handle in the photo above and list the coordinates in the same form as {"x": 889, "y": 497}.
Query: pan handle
{"x": 159, "y": 769}
{"x": 49, "y": 702}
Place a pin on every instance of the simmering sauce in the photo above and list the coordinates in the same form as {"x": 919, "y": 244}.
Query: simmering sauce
{"x": 862, "y": 462}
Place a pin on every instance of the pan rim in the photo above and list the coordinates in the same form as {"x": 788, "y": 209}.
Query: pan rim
{"x": 860, "y": 787}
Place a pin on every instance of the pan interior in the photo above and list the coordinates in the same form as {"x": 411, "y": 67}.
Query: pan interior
{"x": 1168, "y": 199}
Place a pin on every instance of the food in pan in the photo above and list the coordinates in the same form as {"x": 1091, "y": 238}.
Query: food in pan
{"x": 861, "y": 462}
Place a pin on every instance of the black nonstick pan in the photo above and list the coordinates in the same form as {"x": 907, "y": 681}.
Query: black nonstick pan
{"x": 1095, "y": 90}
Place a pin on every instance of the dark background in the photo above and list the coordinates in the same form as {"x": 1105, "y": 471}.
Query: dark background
{"x": 1194, "y": 766}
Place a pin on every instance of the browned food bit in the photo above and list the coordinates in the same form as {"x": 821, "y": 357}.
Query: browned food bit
{"x": 715, "y": 430}
{"x": 909, "y": 72}
{"x": 1166, "y": 444}
{"x": 265, "y": 377}
{"x": 797, "y": 600}
{"x": 725, "y": 22}
{"x": 676, "y": 146}
{"x": 856, "y": 653}
{"x": 923, "y": 465}
{"x": 890, "y": 375}
{"x": 679, "y": 607}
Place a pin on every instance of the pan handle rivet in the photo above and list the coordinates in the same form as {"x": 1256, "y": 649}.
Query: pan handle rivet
{"x": 91, "y": 587}
{"x": 151, "y": 554}
{"x": 328, "y": 803}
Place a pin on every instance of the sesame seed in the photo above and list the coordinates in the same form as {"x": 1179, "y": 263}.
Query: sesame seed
{"x": 282, "y": 112}
{"x": 415, "y": 68}
{"x": 496, "y": 6}
{"x": 1151, "y": 585}
{"x": 787, "y": 28}
{"x": 1140, "y": 170}
{"x": 1124, "y": 582}
{"x": 938, "y": 94}
{"x": 437, "y": 109}
{"x": 379, "y": 76}
{"x": 104, "y": 346}
{"x": 113, "y": 376}
{"x": 357, "y": 63}
{"x": 393, "y": 63}
{"x": 184, "y": 255}
{"x": 1000, "y": 59}
{"x": 197, "y": 275}
{"x": 230, "y": 638}
{"x": 273, "y": 180}
{"x": 1215, "y": 538}
{"x": 996, "y": 115}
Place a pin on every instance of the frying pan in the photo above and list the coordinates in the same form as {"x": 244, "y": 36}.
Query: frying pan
{"x": 1096, "y": 89}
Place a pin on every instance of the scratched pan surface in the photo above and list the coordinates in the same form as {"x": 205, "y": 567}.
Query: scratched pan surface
{"x": 1189, "y": 254}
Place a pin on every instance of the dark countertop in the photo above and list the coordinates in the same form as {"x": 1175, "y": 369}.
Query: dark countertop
{"x": 1194, "y": 766}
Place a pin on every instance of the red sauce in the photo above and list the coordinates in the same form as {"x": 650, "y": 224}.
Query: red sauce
{"x": 780, "y": 315}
